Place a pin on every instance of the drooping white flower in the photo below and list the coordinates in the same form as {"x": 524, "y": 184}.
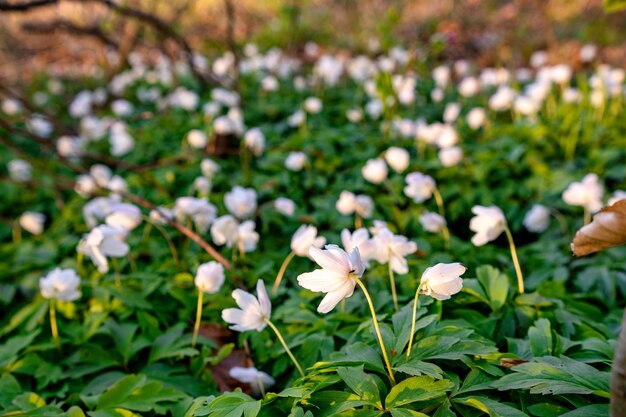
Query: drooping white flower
{"x": 447, "y": 137}
{"x": 60, "y": 284}
{"x": 241, "y": 202}
{"x": 375, "y": 171}
{"x": 338, "y": 275}
{"x": 200, "y": 211}
{"x": 469, "y": 86}
{"x": 32, "y": 222}
{"x": 419, "y": 186}
{"x": 441, "y": 281}
{"x": 537, "y": 219}
{"x": 295, "y": 161}
{"x": 226, "y": 230}
{"x": 197, "y": 139}
{"x": 104, "y": 241}
{"x": 19, "y": 170}
{"x": 397, "y": 158}
{"x": 253, "y": 313}
{"x": 432, "y": 222}
{"x": 255, "y": 141}
{"x": 209, "y": 277}
{"x": 123, "y": 215}
{"x": 285, "y": 206}
{"x": 85, "y": 185}
{"x": 392, "y": 249}
{"x": 304, "y": 238}
{"x": 259, "y": 381}
{"x": 587, "y": 193}
{"x": 488, "y": 223}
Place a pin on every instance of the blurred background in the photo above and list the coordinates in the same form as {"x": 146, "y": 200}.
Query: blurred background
{"x": 69, "y": 36}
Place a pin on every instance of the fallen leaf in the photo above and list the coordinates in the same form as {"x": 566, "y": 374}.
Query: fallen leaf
{"x": 608, "y": 229}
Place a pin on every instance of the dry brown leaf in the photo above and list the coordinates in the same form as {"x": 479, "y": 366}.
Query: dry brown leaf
{"x": 608, "y": 229}
{"x": 511, "y": 362}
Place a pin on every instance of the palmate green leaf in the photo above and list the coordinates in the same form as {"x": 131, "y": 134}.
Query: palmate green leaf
{"x": 361, "y": 384}
{"x": 331, "y": 403}
{"x": 124, "y": 338}
{"x": 495, "y": 284}
{"x": 540, "y": 336}
{"x": 491, "y": 407}
{"x": 417, "y": 368}
{"x": 137, "y": 393}
{"x": 546, "y": 410}
{"x": 592, "y": 410}
{"x": 172, "y": 344}
{"x": 9, "y": 389}
{"x": 10, "y": 350}
{"x": 230, "y": 404}
{"x": 418, "y": 388}
{"x": 552, "y": 375}
{"x": 405, "y": 412}
{"x": 359, "y": 353}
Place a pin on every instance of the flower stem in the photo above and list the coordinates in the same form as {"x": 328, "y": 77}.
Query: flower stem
{"x": 281, "y": 271}
{"x": 587, "y": 216}
{"x": 439, "y": 201}
{"x": 518, "y": 270}
{"x": 167, "y": 238}
{"x": 53, "y": 324}
{"x": 116, "y": 268}
{"x": 416, "y": 304}
{"x": 392, "y": 283}
{"x": 282, "y": 341}
{"x": 196, "y": 327}
{"x": 17, "y": 232}
{"x": 358, "y": 223}
{"x": 446, "y": 236}
{"x": 377, "y": 328}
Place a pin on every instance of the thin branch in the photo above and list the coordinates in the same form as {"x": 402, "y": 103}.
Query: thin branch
{"x": 23, "y": 7}
{"x": 67, "y": 26}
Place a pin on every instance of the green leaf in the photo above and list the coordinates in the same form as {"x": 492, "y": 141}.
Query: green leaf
{"x": 496, "y": 285}
{"x": 171, "y": 344}
{"x": 540, "y": 336}
{"x": 10, "y": 350}
{"x": 614, "y": 5}
{"x": 230, "y": 404}
{"x": 9, "y": 389}
{"x": 592, "y": 410}
{"x": 551, "y": 375}
{"x": 405, "y": 412}
{"x": 361, "y": 384}
{"x": 417, "y": 368}
{"x": 137, "y": 393}
{"x": 491, "y": 407}
{"x": 419, "y": 388}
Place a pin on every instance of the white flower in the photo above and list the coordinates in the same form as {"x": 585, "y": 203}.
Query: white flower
{"x": 337, "y": 277}
{"x": 375, "y": 171}
{"x": 442, "y": 280}
{"x": 202, "y": 185}
{"x": 617, "y": 196}
{"x": 259, "y": 381}
{"x": 346, "y": 204}
{"x": 32, "y": 222}
{"x": 432, "y": 222}
{"x": 60, "y": 284}
{"x": 247, "y": 238}
{"x": 223, "y": 125}
{"x": 226, "y": 230}
{"x": 588, "y": 52}
{"x": 123, "y": 215}
{"x": 476, "y": 118}
{"x": 209, "y": 277}
{"x": 450, "y": 157}
{"x": 255, "y": 141}
{"x": 295, "y": 161}
{"x": 101, "y": 174}
{"x": 359, "y": 239}
{"x": 441, "y": 75}
{"x": 469, "y": 86}
{"x": 537, "y": 219}
{"x": 97, "y": 209}
{"x": 197, "y": 139}
{"x": 209, "y": 168}
{"x": 392, "y": 249}
{"x": 397, "y": 158}
{"x": 122, "y": 107}
{"x": 161, "y": 215}
{"x": 40, "y": 126}
{"x": 488, "y": 224}
{"x": 419, "y": 187}
{"x": 85, "y": 185}
{"x": 538, "y": 59}
{"x": 200, "y": 211}
{"x": 313, "y": 105}
{"x": 296, "y": 119}
{"x": 19, "y": 170}
{"x": 451, "y": 112}
{"x": 121, "y": 141}
{"x": 11, "y": 106}
{"x": 69, "y": 146}
{"x": 364, "y": 206}
{"x": 269, "y": 83}
{"x": 285, "y": 206}
{"x": 241, "y": 202}
{"x": 587, "y": 193}
{"x": 447, "y": 137}
{"x": 354, "y": 115}
{"x": 305, "y": 238}
{"x": 103, "y": 241}
{"x": 253, "y": 313}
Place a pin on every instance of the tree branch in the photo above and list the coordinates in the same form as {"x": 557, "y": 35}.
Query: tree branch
{"x": 23, "y": 7}
{"x": 68, "y": 26}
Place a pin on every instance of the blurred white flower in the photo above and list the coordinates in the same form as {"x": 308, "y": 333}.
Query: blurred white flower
{"x": 32, "y": 222}
{"x": 447, "y": 137}
{"x": 432, "y": 222}
{"x": 259, "y": 381}
{"x": 587, "y": 193}
{"x": 588, "y": 52}
{"x": 202, "y": 185}
{"x": 122, "y": 108}
{"x": 469, "y": 87}
{"x": 197, "y": 139}
{"x": 19, "y": 170}
{"x": 538, "y": 59}
{"x": 121, "y": 141}
{"x": 451, "y": 112}
{"x": 253, "y": 313}
{"x": 97, "y": 209}
{"x": 392, "y": 249}
{"x": 209, "y": 277}
{"x": 40, "y": 126}
{"x": 255, "y": 141}
{"x": 123, "y": 215}
{"x": 60, "y": 284}
{"x": 285, "y": 206}
{"x": 476, "y": 118}
{"x": 69, "y": 146}
{"x": 450, "y": 157}
{"x": 200, "y": 211}
{"x": 441, "y": 75}
{"x": 304, "y": 238}
{"x": 441, "y": 281}
{"x": 226, "y": 230}
{"x": 488, "y": 223}
{"x": 346, "y": 204}
{"x": 11, "y": 106}
{"x": 103, "y": 241}
{"x": 297, "y": 119}
{"x": 375, "y": 171}
{"x": 419, "y": 187}
{"x": 209, "y": 168}
{"x": 81, "y": 104}
{"x": 397, "y": 158}
{"x": 337, "y": 277}
{"x": 617, "y": 196}
{"x": 359, "y": 239}
{"x": 295, "y": 161}
{"x": 312, "y": 105}
{"x": 537, "y": 219}
{"x": 241, "y": 202}
{"x": 354, "y": 115}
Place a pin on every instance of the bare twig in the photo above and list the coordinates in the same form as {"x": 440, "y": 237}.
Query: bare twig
{"x": 26, "y": 6}
{"x": 67, "y": 26}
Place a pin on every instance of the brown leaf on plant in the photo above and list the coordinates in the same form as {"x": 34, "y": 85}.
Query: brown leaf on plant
{"x": 608, "y": 229}
{"x": 511, "y": 362}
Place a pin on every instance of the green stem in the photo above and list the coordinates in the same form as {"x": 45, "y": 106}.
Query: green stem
{"x": 53, "y": 324}
{"x": 439, "y": 201}
{"x": 586, "y": 216}
{"x": 377, "y": 328}
{"x": 116, "y": 268}
{"x": 282, "y": 341}
{"x": 281, "y": 271}
{"x": 416, "y": 303}
{"x": 518, "y": 270}
{"x": 196, "y": 327}
{"x": 446, "y": 236}
{"x": 167, "y": 238}
{"x": 392, "y": 283}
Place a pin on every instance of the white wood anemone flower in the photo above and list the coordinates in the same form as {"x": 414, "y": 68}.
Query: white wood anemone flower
{"x": 253, "y": 312}
{"x": 338, "y": 275}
